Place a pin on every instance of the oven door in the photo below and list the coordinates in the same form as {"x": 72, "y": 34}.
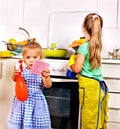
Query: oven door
{"x": 63, "y": 102}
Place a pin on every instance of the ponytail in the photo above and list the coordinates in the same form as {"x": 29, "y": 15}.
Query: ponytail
{"x": 93, "y": 24}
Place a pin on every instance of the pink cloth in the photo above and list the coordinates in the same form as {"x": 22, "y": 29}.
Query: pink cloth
{"x": 39, "y": 66}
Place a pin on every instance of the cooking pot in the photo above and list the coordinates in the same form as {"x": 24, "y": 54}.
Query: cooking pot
{"x": 55, "y": 53}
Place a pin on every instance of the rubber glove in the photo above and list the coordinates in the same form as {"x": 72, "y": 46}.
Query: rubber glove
{"x": 72, "y": 60}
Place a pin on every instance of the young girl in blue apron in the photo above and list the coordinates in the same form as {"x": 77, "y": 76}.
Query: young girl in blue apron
{"x": 32, "y": 113}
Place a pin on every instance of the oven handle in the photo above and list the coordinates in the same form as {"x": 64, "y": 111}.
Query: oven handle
{"x": 62, "y": 79}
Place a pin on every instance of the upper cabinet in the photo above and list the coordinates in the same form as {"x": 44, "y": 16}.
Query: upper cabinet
{"x": 108, "y": 10}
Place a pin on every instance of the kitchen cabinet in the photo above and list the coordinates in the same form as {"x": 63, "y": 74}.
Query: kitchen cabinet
{"x": 110, "y": 69}
{"x": 112, "y": 78}
{"x": 6, "y": 91}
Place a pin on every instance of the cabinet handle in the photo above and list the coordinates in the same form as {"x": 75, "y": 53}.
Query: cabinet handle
{"x": 114, "y": 78}
{"x": 111, "y": 108}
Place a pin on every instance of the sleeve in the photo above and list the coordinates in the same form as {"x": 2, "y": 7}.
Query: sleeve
{"x": 83, "y": 49}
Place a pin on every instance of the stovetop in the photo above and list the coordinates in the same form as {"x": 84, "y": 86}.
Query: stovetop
{"x": 65, "y": 58}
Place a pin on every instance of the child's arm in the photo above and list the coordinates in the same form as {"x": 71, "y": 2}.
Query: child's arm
{"x": 46, "y": 78}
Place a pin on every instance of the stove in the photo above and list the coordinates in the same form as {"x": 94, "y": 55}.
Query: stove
{"x": 58, "y": 69}
{"x": 62, "y": 97}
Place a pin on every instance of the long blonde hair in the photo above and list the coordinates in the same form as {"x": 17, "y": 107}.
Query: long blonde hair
{"x": 93, "y": 24}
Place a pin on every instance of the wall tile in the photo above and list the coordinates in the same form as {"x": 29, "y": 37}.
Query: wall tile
{"x": 88, "y": 5}
{"x": 15, "y": 12}
{"x": 3, "y": 12}
{"x": 32, "y": 10}
{"x": 40, "y": 33}
{"x": 49, "y": 6}
{"x": 108, "y": 13}
{"x": 109, "y": 41}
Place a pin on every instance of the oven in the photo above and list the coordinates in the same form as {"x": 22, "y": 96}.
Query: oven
{"x": 62, "y": 97}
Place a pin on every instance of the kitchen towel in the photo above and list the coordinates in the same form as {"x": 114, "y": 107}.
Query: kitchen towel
{"x": 39, "y": 66}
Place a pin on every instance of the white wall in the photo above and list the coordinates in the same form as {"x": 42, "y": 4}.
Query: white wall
{"x": 33, "y": 15}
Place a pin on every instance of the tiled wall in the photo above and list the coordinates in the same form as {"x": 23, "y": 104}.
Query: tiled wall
{"x": 33, "y": 15}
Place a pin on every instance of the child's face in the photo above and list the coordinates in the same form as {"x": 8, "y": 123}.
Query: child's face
{"x": 30, "y": 56}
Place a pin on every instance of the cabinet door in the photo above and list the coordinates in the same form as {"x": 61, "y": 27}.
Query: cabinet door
{"x": 111, "y": 70}
{"x": 112, "y": 125}
{"x": 114, "y": 119}
{"x": 6, "y": 91}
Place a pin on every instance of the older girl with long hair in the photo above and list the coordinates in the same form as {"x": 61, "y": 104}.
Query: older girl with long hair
{"x": 93, "y": 92}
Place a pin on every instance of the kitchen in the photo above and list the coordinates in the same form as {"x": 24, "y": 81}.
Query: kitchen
{"x": 35, "y": 17}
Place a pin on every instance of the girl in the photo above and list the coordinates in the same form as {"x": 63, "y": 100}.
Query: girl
{"x": 32, "y": 113}
{"x": 93, "y": 92}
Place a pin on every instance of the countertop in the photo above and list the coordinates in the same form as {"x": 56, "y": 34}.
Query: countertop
{"x": 110, "y": 61}
{"x": 104, "y": 60}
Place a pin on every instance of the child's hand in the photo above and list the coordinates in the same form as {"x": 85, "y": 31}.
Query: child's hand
{"x": 46, "y": 78}
{"x": 45, "y": 73}
{"x": 16, "y": 71}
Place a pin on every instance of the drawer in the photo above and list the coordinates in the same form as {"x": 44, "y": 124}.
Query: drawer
{"x": 113, "y": 125}
{"x": 114, "y": 101}
{"x": 111, "y": 70}
{"x": 114, "y": 116}
{"x": 113, "y": 84}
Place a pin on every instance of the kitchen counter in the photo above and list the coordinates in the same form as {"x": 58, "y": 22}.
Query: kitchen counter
{"x": 104, "y": 60}
{"x": 110, "y": 61}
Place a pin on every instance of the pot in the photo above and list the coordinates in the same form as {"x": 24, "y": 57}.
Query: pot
{"x": 55, "y": 53}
